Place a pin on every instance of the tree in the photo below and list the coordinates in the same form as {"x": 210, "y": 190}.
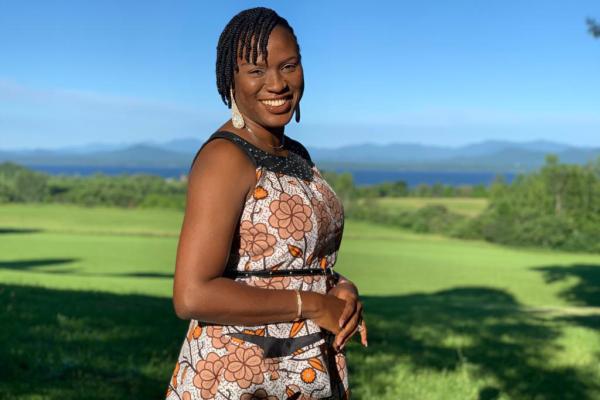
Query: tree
{"x": 557, "y": 179}
{"x": 593, "y": 27}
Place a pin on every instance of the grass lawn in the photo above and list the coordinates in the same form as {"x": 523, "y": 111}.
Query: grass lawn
{"x": 468, "y": 206}
{"x": 86, "y": 313}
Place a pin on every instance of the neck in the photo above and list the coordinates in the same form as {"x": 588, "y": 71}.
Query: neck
{"x": 273, "y": 137}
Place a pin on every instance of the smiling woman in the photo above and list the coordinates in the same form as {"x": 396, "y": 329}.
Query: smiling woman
{"x": 269, "y": 317}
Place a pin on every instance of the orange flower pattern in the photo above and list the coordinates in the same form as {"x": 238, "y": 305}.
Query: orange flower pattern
{"x": 207, "y": 373}
{"x": 286, "y": 223}
{"x": 276, "y": 282}
{"x": 255, "y": 240}
{"x": 260, "y": 394}
{"x": 245, "y": 365}
{"x": 291, "y": 216}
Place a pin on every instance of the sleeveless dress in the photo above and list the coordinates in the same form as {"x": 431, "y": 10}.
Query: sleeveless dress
{"x": 291, "y": 220}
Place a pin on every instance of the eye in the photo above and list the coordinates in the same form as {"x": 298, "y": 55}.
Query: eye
{"x": 256, "y": 72}
{"x": 290, "y": 67}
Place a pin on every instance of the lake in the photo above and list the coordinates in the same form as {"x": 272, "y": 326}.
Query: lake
{"x": 361, "y": 177}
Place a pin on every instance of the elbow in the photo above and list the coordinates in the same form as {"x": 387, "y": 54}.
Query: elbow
{"x": 182, "y": 310}
{"x": 190, "y": 303}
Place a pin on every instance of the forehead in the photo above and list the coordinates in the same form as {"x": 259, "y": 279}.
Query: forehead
{"x": 280, "y": 46}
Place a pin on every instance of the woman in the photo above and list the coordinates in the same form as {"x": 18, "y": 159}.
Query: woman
{"x": 261, "y": 232}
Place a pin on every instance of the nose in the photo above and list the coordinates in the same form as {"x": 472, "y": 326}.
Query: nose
{"x": 275, "y": 83}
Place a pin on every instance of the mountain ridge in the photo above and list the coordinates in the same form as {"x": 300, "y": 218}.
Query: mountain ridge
{"x": 496, "y": 155}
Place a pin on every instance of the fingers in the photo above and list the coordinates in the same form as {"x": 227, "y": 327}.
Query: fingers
{"x": 363, "y": 333}
{"x": 346, "y": 333}
{"x": 348, "y": 311}
{"x": 349, "y": 328}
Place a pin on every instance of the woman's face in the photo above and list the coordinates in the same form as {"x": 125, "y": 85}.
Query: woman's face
{"x": 266, "y": 93}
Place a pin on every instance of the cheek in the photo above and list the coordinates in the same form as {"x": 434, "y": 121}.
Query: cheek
{"x": 297, "y": 80}
{"x": 252, "y": 86}
{"x": 246, "y": 87}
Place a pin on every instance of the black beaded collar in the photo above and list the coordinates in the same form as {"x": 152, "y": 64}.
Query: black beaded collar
{"x": 297, "y": 163}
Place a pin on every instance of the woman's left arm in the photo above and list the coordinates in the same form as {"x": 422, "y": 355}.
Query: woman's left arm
{"x": 351, "y": 318}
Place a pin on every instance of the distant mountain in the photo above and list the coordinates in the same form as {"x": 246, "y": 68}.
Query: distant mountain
{"x": 134, "y": 156}
{"x": 493, "y": 146}
{"x": 492, "y": 155}
{"x": 185, "y": 145}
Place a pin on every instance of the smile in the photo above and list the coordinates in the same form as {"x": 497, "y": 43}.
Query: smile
{"x": 274, "y": 103}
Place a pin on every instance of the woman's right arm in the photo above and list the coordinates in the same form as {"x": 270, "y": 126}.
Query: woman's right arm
{"x": 218, "y": 184}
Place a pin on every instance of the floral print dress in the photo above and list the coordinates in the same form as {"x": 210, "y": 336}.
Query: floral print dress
{"x": 292, "y": 220}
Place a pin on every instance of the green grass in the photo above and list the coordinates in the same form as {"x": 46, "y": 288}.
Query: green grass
{"x": 86, "y": 313}
{"x": 97, "y": 220}
{"x": 468, "y": 206}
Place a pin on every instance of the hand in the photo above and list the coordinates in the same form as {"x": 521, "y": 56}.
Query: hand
{"x": 351, "y": 319}
{"x": 329, "y": 313}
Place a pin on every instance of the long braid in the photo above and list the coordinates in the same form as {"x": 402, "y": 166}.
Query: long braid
{"x": 246, "y": 36}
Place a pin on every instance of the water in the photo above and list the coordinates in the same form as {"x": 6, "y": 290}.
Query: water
{"x": 361, "y": 177}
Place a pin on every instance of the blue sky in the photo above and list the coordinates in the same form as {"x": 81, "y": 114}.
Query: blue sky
{"x": 444, "y": 73}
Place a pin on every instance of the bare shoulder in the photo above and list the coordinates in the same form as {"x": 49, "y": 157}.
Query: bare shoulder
{"x": 222, "y": 161}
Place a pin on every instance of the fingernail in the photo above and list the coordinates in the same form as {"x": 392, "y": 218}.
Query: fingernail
{"x": 366, "y": 344}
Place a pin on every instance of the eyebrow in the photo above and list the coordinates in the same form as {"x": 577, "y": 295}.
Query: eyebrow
{"x": 289, "y": 59}
{"x": 260, "y": 63}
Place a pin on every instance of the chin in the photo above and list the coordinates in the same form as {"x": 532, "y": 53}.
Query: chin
{"x": 276, "y": 121}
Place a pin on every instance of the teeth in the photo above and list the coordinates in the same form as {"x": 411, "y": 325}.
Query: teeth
{"x": 274, "y": 103}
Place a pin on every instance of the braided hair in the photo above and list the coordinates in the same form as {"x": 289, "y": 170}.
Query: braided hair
{"x": 245, "y": 36}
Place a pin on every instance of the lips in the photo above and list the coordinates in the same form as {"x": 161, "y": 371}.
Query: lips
{"x": 277, "y": 106}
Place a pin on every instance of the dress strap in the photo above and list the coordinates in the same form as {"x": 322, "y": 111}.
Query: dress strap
{"x": 241, "y": 143}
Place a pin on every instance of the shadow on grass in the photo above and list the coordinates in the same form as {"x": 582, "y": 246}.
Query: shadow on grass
{"x": 495, "y": 340}
{"x": 11, "y": 231}
{"x": 141, "y": 275}
{"x": 586, "y": 292}
{"x": 86, "y": 345}
{"x": 32, "y": 265}
{"x": 35, "y": 265}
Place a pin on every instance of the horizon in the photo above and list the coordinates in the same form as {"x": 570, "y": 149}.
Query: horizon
{"x": 122, "y": 145}
{"x": 433, "y": 74}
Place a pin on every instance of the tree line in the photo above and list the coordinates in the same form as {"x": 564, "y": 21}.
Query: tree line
{"x": 557, "y": 206}
{"x": 19, "y": 184}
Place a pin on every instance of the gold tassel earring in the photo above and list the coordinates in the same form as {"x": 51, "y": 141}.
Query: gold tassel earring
{"x": 297, "y": 112}
{"x": 236, "y": 116}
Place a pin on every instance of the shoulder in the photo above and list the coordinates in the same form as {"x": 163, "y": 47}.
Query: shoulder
{"x": 219, "y": 158}
{"x": 221, "y": 146}
{"x": 296, "y": 147}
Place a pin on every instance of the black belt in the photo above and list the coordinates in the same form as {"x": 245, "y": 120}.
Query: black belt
{"x": 285, "y": 272}
{"x": 280, "y": 347}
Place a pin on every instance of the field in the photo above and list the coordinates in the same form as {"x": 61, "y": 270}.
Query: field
{"x": 468, "y": 206}
{"x": 86, "y": 314}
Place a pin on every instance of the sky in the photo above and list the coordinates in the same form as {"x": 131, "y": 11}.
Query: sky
{"x": 434, "y": 72}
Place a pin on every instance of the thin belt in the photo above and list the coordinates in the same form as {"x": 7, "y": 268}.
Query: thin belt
{"x": 289, "y": 272}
